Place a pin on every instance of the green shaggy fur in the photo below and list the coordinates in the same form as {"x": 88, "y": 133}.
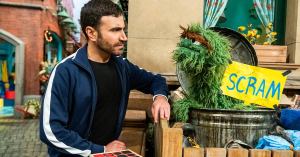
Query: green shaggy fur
{"x": 205, "y": 71}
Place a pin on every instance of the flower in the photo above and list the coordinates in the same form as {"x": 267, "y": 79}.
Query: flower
{"x": 254, "y": 32}
{"x": 241, "y": 28}
{"x": 270, "y": 25}
{"x": 273, "y": 33}
{"x": 264, "y": 37}
{"x": 250, "y": 35}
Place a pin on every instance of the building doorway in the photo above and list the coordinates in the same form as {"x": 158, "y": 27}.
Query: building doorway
{"x": 11, "y": 72}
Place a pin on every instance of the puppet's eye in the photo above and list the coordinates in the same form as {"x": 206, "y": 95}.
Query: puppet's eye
{"x": 196, "y": 43}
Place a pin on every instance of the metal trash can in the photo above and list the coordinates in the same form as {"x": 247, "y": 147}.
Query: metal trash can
{"x": 216, "y": 127}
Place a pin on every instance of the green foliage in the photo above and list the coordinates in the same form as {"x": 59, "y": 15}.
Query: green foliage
{"x": 181, "y": 108}
{"x": 205, "y": 71}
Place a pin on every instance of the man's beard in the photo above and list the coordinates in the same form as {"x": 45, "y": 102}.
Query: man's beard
{"x": 107, "y": 48}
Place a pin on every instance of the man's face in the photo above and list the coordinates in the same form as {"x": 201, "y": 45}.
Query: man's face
{"x": 111, "y": 36}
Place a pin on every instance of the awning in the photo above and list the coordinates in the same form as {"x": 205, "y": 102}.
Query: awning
{"x": 63, "y": 14}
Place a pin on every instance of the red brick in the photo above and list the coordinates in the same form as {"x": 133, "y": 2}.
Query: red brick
{"x": 29, "y": 26}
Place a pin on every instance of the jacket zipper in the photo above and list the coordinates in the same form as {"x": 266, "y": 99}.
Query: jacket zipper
{"x": 122, "y": 103}
{"x": 94, "y": 96}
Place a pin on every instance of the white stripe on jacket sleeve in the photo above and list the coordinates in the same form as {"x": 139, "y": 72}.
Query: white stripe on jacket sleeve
{"x": 46, "y": 120}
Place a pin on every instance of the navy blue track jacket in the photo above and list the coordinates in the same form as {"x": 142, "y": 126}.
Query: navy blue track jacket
{"x": 70, "y": 100}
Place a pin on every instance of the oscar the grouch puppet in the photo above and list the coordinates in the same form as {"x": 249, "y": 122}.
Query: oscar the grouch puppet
{"x": 203, "y": 56}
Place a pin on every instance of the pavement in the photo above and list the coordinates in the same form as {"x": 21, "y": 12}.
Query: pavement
{"x": 20, "y": 138}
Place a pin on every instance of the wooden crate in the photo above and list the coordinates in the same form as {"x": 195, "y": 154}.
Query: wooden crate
{"x": 282, "y": 153}
{"x": 168, "y": 141}
{"x": 193, "y": 152}
{"x": 139, "y": 101}
{"x": 237, "y": 153}
{"x": 134, "y": 138}
{"x": 135, "y": 118}
{"x": 271, "y": 53}
{"x": 296, "y": 153}
{"x": 215, "y": 152}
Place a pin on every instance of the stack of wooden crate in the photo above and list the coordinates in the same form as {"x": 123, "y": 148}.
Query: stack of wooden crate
{"x": 134, "y": 126}
{"x": 168, "y": 143}
{"x": 222, "y": 152}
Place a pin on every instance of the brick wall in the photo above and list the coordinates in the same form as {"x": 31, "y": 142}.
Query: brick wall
{"x": 29, "y": 25}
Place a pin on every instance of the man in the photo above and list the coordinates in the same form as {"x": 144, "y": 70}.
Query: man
{"x": 87, "y": 94}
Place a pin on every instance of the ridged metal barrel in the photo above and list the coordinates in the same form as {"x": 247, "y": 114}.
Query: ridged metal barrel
{"x": 214, "y": 127}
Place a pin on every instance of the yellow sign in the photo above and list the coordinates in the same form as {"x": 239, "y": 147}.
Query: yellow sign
{"x": 253, "y": 84}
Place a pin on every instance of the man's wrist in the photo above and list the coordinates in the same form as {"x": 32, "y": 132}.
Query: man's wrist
{"x": 155, "y": 96}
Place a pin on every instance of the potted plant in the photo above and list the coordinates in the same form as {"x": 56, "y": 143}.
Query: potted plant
{"x": 44, "y": 74}
{"x": 30, "y": 109}
{"x": 33, "y": 107}
{"x": 262, "y": 42}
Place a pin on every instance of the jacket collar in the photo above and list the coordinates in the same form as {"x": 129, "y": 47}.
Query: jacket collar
{"x": 81, "y": 57}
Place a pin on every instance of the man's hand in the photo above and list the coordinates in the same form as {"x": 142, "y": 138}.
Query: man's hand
{"x": 160, "y": 108}
{"x": 115, "y": 146}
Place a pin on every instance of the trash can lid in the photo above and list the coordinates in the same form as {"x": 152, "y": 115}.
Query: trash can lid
{"x": 242, "y": 50}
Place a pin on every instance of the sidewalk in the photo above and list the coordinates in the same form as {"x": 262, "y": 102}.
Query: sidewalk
{"x": 20, "y": 137}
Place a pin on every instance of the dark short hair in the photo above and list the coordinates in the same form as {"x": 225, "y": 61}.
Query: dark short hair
{"x": 92, "y": 12}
